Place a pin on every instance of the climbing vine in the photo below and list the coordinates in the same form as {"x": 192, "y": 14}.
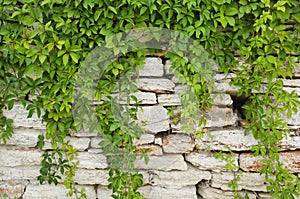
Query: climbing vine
{"x": 44, "y": 42}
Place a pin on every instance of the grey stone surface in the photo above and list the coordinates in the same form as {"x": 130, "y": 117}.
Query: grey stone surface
{"x": 16, "y": 157}
{"x": 207, "y": 161}
{"x": 104, "y": 193}
{"x": 81, "y": 144}
{"x": 91, "y": 177}
{"x": 95, "y": 142}
{"x": 19, "y": 115}
{"x": 169, "y": 99}
{"x": 178, "y": 143}
{"x": 153, "y": 119}
{"x": 166, "y": 162}
{"x": 155, "y": 85}
{"x": 144, "y": 97}
{"x": 8, "y": 173}
{"x": 158, "y": 192}
{"x": 234, "y": 139}
{"x": 12, "y": 189}
{"x": 24, "y": 138}
{"x": 91, "y": 160}
{"x": 213, "y": 193}
{"x": 248, "y": 181}
{"x": 168, "y": 70}
{"x": 153, "y": 149}
{"x": 153, "y": 67}
{"x": 145, "y": 138}
{"x": 178, "y": 179}
{"x": 222, "y": 99}
{"x": 54, "y": 192}
{"x": 219, "y": 117}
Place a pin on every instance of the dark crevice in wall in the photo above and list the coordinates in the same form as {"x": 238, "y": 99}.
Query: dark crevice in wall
{"x": 238, "y": 103}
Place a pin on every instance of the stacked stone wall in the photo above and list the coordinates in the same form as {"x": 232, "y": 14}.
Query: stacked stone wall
{"x": 178, "y": 166}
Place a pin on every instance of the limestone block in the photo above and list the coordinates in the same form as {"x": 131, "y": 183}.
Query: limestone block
{"x": 153, "y": 119}
{"x": 180, "y": 88}
{"x": 178, "y": 179}
{"x": 54, "y": 192}
{"x": 145, "y": 97}
{"x": 24, "y": 137}
{"x": 290, "y": 160}
{"x": 213, "y": 193}
{"x": 221, "y": 99}
{"x": 289, "y": 89}
{"x": 219, "y": 117}
{"x": 290, "y": 143}
{"x": 169, "y": 99}
{"x": 150, "y": 192}
{"x": 178, "y": 143}
{"x": 153, "y": 149}
{"x": 225, "y": 87}
{"x": 155, "y": 85}
{"x": 104, "y": 192}
{"x": 158, "y": 141}
{"x": 91, "y": 160}
{"x": 91, "y": 177}
{"x": 145, "y": 138}
{"x": 19, "y": 173}
{"x": 81, "y": 144}
{"x": 206, "y": 161}
{"x": 13, "y": 157}
{"x": 166, "y": 162}
{"x": 153, "y": 67}
{"x": 95, "y": 142}
{"x": 83, "y": 134}
{"x": 234, "y": 139}
{"x": 294, "y": 120}
{"x": 19, "y": 115}
{"x": 248, "y": 181}
{"x": 291, "y": 82}
{"x": 168, "y": 70}
{"x": 12, "y": 189}
{"x": 220, "y": 77}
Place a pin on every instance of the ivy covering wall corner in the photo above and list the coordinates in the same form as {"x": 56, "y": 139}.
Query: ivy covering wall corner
{"x": 44, "y": 42}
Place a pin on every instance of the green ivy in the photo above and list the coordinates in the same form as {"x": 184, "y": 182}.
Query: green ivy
{"x": 44, "y": 42}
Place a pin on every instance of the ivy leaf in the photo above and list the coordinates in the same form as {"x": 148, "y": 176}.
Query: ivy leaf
{"x": 74, "y": 57}
{"x": 231, "y": 11}
{"x": 28, "y": 20}
{"x": 65, "y": 59}
{"x": 297, "y": 17}
{"x": 113, "y": 9}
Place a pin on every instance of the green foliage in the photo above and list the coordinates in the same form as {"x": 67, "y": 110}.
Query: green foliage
{"x": 43, "y": 43}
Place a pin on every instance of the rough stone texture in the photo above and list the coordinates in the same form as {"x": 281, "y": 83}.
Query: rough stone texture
{"x": 104, "y": 193}
{"x": 221, "y": 99}
{"x": 150, "y": 192}
{"x": 14, "y": 158}
{"x": 167, "y": 162}
{"x": 153, "y": 149}
{"x": 153, "y": 67}
{"x": 206, "y": 161}
{"x": 213, "y": 193}
{"x": 91, "y": 160}
{"x": 222, "y": 77}
{"x": 169, "y": 99}
{"x": 91, "y": 177}
{"x": 158, "y": 141}
{"x": 95, "y": 142}
{"x": 153, "y": 119}
{"x": 145, "y": 97}
{"x": 53, "y": 192}
{"x": 178, "y": 179}
{"x": 248, "y": 181}
{"x": 156, "y": 85}
{"x": 81, "y": 144}
{"x": 12, "y": 188}
{"x": 8, "y": 173}
{"x": 145, "y": 138}
{"x": 19, "y": 115}
{"x": 24, "y": 138}
{"x": 294, "y": 120}
{"x": 218, "y": 117}
{"x": 168, "y": 70}
{"x": 178, "y": 143}
{"x": 225, "y": 87}
{"x": 290, "y": 160}
{"x": 291, "y": 143}
{"x": 234, "y": 139}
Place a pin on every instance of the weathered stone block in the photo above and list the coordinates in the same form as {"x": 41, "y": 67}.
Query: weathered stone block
{"x": 91, "y": 177}
{"x": 168, "y": 70}
{"x": 234, "y": 139}
{"x": 225, "y": 87}
{"x": 178, "y": 179}
{"x": 150, "y": 192}
{"x": 19, "y": 173}
{"x": 153, "y": 67}
{"x": 91, "y": 160}
{"x": 145, "y": 97}
{"x": 213, "y": 193}
{"x": 156, "y": 85}
{"x": 153, "y": 149}
{"x": 14, "y": 158}
{"x": 169, "y": 99}
{"x": 291, "y": 143}
{"x": 248, "y": 181}
{"x": 153, "y": 119}
{"x": 81, "y": 144}
{"x": 54, "y": 192}
{"x": 145, "y": 138}
{"x": 12, "y": 189}
{"x": 290, "y": 160}
{"x": 167, "y": 162}
{"x": 221, "y": 99}
{"x": 19, "y": 115}
{"x": 24, "y": 138}
{"x": 104, "y": 193}
{"x": 95, "y": 142}
{"x": 178, "y": 143}
{"x": 219, "y": 117}
{"x": 206, "y": 161}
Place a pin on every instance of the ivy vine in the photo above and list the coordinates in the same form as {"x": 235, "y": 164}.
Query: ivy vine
{"x": 44, "y": 42}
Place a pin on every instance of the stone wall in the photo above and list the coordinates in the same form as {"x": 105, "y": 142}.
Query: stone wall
{"x": 178, "y": 168}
